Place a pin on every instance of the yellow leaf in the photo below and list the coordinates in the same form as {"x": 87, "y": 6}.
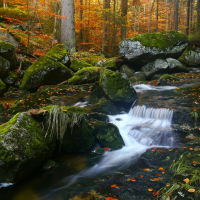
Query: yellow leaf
{"x": 186, "y": 180}
{"x": 150, "y": 189}
{"x": 191, "y": 190}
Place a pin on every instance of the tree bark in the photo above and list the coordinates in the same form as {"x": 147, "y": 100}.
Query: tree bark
{"x": 176, "y": 15}
{"x": 157, "y": 15}
{"x": 150, "y": 16}
{"x": 188, "y": 17}
{"x": 198, "y": 14}
{"x": 124, "y": 10}
{"x": 167, "y": 15}
{"x": 68, "y": 26}
{"x": 81, "y": 25}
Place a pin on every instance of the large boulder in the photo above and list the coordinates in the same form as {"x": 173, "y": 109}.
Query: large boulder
{"x": 59, "y": 53}
{"x": 4, "y": 67}
{"x": 76, "y": 65}
{"x": 86, "y": 75}
{"x": 7, "y": 51}
{"x": 70, "y": 127}
{"x": 175, "y": 66}
{"x": 161, "y": 66}
{"x": 23, "y": 147}
{"x": 117, "y": 88}
{"x": 144, "y": 48}
{"x": 127, "y": 70}
{"x": 45, "y": 71}
{"x": 191, "y": 56}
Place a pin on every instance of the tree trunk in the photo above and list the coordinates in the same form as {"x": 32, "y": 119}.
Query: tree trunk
{"x": 157, "y": 15}
{"x": 176, "y": 15}
{"x": 138, "y": 18}
{"x": 124, "y": 10}
{"x": 114, "y": 29}
{"x": 81, "y": 24}
{"x": 68, "y": 26}
{"x": 167, "y": 14}
{"x": 198, "y": 14}
{"x": 150, "y": 16}
{"x": 188, "y": 17}
{"x": 106, "y": 6}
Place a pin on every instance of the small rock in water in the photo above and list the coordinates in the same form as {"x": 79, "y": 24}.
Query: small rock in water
{"x": 118, "y": 119}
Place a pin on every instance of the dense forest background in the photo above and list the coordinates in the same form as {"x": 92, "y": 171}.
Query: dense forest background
{"x": 99, "y": 24}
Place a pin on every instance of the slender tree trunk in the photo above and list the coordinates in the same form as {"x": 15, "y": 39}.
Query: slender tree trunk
{"x": 157, "y": 15}
{"x": 106, "y": 6}
{"x": 198, "y": 14}
{"x": 176, "y": 15}
{"x": 167, "y": 14}
{"x": 138, "y": 18}
{"x": 124, "y": 10}
{"x": 114, "y": 29}
{"x": 4, "y": 4}
{"x": 188, "y": 17}
{"x": 170, "y": 21}
{"x": 68, "y": 37}
{"x": 81, "y": 23}
{"x": 150, "y": 16}
{"x": 135, "y": 19}
{"x": 191, "y": 14}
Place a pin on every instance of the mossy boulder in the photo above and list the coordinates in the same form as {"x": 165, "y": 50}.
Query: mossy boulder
{"x": 159, "y": 66}
{"x": 137, "y": 77}
{"x": 111, "y": 64}
{"x": 26, "y": 64}
{"x": 105, "y": 106}
{"x": 76, "y": 65}
{"x": 127, "y": 70}
{"x": 96, "y": 93}
{"x": 191, "y": 56}
{"x": 70, "y": 127}
{"x": 107, "y": 135}
{"x": 93, "y": 116}
{"x": 7, "y": 51}
{"x": 15, "y": 93}
{"x": 11, "y": 78}
{"x": 144, "y": 48}
{"x": 4, "y": 67}
{"x": 117, "y": 88}
{"x": 45, "y": 71}
{"x": 59, "y": 53}
{"x": 2, "y": 87}
{"x": 86, "y": 75}
{"x": 23, "y": 147}
{"x": 175, "y": 66}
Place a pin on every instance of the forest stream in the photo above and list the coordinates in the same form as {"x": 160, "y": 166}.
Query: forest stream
{"x": 124, "y": 174}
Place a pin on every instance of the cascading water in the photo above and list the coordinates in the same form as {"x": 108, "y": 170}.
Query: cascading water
{"x": 142, "y": 128}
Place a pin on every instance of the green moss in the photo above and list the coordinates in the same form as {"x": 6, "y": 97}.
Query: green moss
{"x": 162, "y": 40}
{"x": 44, "y": 66}
{"x": 57, "y": 52}
{"x": 78, "y": 64}
{"x": 92, "y": 60}
{"x": 5, "y": 46}
{"x": 86, "y": 75}
{"x": 2, "y": 86}
{"x": 187, "y": 167}
{"x": 110, "y": 64}
{"x": 168, "y": 77}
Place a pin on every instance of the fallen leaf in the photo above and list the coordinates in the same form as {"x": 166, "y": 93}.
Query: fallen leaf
{"x": 191, "y": 190}
{"x": 194, "y": 162}
{"x": 161, "y": 169}
{"x": 133, "y": 179}
{"x": 150, "y": 189}
{"x": 114, "y": 185}
{"x": 155, "y": 179}
{"x": 168, "y": 185}
{"x": 186, "y": 180}
{"x": 141, "y": 176}
{"x": 159, "y": 174}
{"x": 106, "y": 148}
{"x": 146, "y": 169}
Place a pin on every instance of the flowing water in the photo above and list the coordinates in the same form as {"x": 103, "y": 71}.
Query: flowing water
{"x": 142, "y": 128}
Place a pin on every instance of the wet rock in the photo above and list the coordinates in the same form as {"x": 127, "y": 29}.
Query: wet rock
{"x": 117, "y": 88}
{"x": 7, "y": 51}
{"x": 191, "y": 56}
{"x": 4, "y": 67}
{"x": 23, "y": 147}
{"x": 11, "y": 79}
{"x": 86, "y": 75}
{"x": 127, "y": 70}
{"x": 145, "y": 48}
{"x": 159, "y": 66}
{"x": 97, "y": 116}
{"x": 107, "y": 135}
{"x": 96, "y": 94}
{"x": 137, "y": 77}
{"x": 175, "y": 66}
{"x": 59, "y": 53}
{"x": 45, "y": 71}
{"x": 76, "y": 65}
{"x": 105, "y": 106}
